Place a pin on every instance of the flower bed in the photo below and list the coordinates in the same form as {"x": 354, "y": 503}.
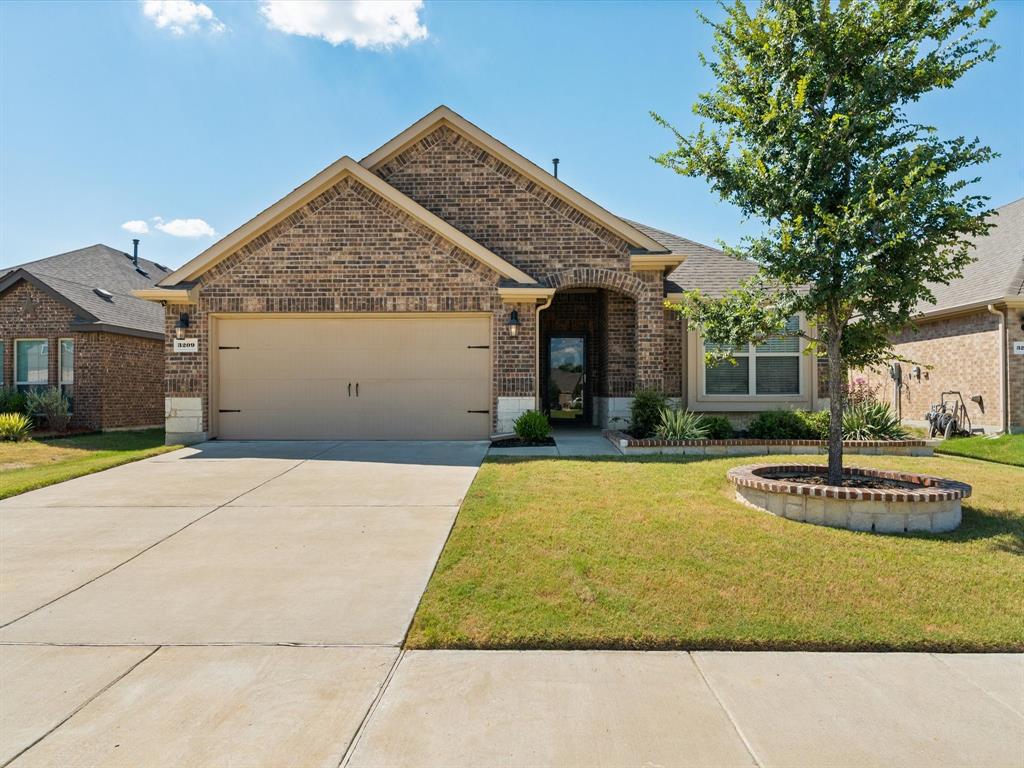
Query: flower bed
{"x": 755, "y": 447}
{"x": 907, "y": 503}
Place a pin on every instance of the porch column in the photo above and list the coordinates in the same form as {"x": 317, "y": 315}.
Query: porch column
{"x": 650, "y": 331}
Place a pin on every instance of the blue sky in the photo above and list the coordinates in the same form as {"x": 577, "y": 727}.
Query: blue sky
{"x": 109, "y": 117}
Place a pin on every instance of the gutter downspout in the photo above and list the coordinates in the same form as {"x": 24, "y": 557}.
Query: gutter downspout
{"x": 536, "y": 347}
{"x": 1004, "y": 398}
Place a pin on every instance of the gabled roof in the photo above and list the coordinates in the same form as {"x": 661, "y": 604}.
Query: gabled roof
{"x": 708, "y": 269}
{"x": 72, "y": 278}
{"x": 327, "y": 178}
{"x": 445, "y": 116}
{"x": 998, "y": 272}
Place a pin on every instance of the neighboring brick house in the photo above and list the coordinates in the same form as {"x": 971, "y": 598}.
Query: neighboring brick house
{"x": 971, "y": 339}
{"x": 71, "y": 321}
{"x": 429, "y": 291}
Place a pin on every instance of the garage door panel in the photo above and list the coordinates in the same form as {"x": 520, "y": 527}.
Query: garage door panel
{"x": 418, "y": 378}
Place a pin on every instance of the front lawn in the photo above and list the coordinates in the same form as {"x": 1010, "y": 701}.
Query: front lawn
{"x": 1006, "y": 449}
{"x": 653, "y": 552}
{"x": 37, "y": 463}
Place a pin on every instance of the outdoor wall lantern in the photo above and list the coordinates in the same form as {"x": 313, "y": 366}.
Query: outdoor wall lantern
{"x": 181, "y": 325}
{"x": 513, "y": 323}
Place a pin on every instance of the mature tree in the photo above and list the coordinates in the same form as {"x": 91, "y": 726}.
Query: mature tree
{"x": 806, "y": 130}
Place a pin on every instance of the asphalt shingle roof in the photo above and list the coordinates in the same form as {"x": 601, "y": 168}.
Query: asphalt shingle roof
{"x": 998, "y": 272}
{"x": 712, "y": 271}
{"x": 75, "y": 274}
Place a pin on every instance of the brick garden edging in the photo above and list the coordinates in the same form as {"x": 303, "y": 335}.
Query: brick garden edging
{"x": 932, "y": 505}
{"x": 754, "y": 447}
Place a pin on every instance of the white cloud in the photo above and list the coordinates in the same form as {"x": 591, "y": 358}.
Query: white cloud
{"x": 136, "y": 227}
{"x": 364, "y": 23}
{"x": 184, "y": 227}
{"x": 181, "y": 16}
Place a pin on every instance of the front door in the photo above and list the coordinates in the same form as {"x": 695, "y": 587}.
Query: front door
{"x": 567, "y": 378}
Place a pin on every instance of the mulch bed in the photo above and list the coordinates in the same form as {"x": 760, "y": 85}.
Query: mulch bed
{"x": 870, "y": 483}
{"x": 515, "y": 442}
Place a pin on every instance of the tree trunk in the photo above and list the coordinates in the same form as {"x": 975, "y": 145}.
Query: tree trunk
{"x": 836, "y": 392}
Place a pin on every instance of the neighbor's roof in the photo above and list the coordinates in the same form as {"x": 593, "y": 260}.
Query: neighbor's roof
{"x": 998, "y": 272}
{"x": 74, "y": 275}
{"x": 712, "y": 271}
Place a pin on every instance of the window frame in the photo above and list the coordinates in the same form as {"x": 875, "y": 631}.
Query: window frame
{"x": 61, "y": 384}
{"x": 18, "y": 383}
{"x": 752, "y": 355}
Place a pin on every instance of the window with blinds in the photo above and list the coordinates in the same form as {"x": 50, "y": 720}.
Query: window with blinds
{"x": 770, "y": 368}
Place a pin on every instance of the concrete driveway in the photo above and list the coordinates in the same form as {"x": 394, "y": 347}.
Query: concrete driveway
{"x": 252, "y": 595}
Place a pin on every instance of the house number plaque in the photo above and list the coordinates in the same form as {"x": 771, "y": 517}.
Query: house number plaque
{"x": 186, "y": 345}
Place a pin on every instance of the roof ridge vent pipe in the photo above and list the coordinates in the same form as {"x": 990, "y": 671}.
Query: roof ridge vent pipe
{"x": 135, "y": 252}
{"x": 555, "y": 161}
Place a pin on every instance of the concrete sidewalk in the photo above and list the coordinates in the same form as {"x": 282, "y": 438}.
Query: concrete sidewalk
{"x": 616, "y": 708}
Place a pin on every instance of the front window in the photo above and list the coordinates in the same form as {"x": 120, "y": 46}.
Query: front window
{"x": 31, "y": 364}
{"x": 67, "y": 368}
{"x": 768, "y": 369}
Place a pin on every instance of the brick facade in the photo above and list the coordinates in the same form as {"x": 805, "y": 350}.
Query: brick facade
{"x": 957, "y": 353}
{"x": 118, "y": 378}
{"x": 351, "y": 251}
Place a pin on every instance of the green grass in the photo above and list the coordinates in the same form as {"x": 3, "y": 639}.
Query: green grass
{"x": 1006, "y": 449}
{"x": 38, "y": 463}
{"x": 654, "y": 553}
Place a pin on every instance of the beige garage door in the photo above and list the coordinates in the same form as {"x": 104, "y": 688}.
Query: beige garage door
{"x": 374, "y": 378}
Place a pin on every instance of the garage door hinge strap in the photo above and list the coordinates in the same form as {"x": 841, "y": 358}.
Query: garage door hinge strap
{"x": 478, "y": 346}
{"x": 228, "y": 410}
{"x": 228, "y": 347}
{"x": 477, "y": 411}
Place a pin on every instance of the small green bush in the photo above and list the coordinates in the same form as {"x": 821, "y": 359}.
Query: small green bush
{"x": 816, "y": 423}
{"x": 12, "y": 401}
{"x": 681, "y": 425}
{"x": 872, "y": 420}
{"x": 780, "y": 425}
{"x": 53, "y": 406}
{"x": 532, "y": 426}
{"x": 718, "y": 427}
{"x": 645, "y": 412}
{"x": 15, "y": 426}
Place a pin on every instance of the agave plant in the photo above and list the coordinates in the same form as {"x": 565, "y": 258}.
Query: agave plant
{"x": 681, "y": 425}
{"x": 872, "y": 420}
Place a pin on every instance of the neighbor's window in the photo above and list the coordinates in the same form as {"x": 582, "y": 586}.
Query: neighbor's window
{"x": 67, "y": 368}
{"x": 31, "y": 363}
{"x": 771, "y": 368}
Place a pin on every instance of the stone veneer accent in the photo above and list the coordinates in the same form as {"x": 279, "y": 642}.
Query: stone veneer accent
{"x": 756, "y": 447}
{"x": 933, "y": 505}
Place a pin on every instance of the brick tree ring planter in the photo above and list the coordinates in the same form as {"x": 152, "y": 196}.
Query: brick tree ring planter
{"x": 914, "y": 503}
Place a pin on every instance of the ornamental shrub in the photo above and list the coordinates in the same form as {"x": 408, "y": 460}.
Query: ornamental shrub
{"x": 532, "y": 426}
{"x": 681, "y": 425}
{"x": 718, "y": 427}
{"x": 816, "y": 423}
{"x": 645, "y": 412}
{"x": 872, "y": 421}
{"x": 53, "y": 406}
{"x": 12, "y": 401}
{"x": 780, "y": 425}
{"x": 15, "y": 426}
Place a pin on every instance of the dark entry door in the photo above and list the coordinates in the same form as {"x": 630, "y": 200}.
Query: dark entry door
{"x": 567, "y": 378}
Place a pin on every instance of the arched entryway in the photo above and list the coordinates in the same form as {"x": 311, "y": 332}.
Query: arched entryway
{"x": 587, "y": 345}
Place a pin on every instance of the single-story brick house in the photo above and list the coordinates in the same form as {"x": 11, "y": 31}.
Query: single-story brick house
{"x": 971, "y": 339}
{"x": 71, "y": 321}
{"x": 429, "y": 291}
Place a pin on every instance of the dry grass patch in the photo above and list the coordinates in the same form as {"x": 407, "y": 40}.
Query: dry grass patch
{"x": 653, "y": 552}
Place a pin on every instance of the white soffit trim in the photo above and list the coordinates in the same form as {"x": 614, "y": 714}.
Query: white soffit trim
{"x": 316, "y": 186}
{"x": 459, "y": 124}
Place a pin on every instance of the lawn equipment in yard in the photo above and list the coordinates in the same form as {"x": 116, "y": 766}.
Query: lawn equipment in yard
{"x": 949, "y": 417}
